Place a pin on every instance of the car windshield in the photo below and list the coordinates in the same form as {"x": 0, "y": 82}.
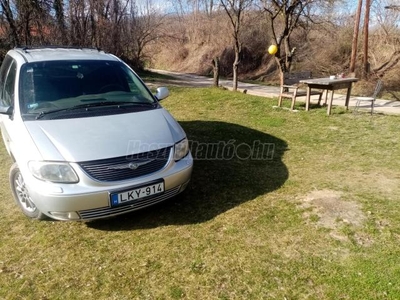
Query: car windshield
{"x": 62, "y": 86}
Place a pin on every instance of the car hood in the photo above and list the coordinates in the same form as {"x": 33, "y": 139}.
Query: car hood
{"x": 93, "y": 138}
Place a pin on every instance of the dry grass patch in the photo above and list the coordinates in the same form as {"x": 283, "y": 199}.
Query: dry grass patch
{"x": 330, "y": 211}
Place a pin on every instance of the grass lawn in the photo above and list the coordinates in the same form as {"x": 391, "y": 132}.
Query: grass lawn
{"x": 282, "y": 205}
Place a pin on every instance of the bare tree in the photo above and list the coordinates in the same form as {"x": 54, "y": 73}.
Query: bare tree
{"x": 142, "y": 26}
{"x": 79, "y": 23}
{"x": 58, "y": 6}
{"x": 27, "y": 20}
{"x": 284, "y": 16}
{"x": 387, "y": 34}
{"x": 6, "y": 7}
{"x": 235, "y": 10}
{"x": 208, "y": 6}
{"x": 34, "y": 17}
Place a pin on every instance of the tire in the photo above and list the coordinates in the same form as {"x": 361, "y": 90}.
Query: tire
{"x": 21, "y": 195}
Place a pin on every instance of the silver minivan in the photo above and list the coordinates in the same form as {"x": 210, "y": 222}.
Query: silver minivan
{"x": 87, "y": 137}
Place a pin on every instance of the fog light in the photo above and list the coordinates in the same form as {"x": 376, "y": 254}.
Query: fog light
{"x": 65, "y": 215}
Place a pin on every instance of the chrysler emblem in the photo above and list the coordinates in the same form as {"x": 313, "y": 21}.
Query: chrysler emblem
{"x": 131, "y": 165}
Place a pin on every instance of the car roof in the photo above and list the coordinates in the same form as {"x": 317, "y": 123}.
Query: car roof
{"x": 62, "y": 53}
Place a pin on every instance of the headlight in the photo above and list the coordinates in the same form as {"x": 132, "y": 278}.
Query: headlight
{"x": 181, "y": 149}
{"x": 53, "y": 171}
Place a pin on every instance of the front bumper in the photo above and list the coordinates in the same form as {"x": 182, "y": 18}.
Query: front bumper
{"x": 90, "y": 200}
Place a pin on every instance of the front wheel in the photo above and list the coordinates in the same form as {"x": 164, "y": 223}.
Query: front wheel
{"x": 21, "y": 195}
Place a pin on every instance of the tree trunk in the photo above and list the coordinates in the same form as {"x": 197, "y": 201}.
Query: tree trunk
{"x": 281, "y": 69}
{"x": 215, "y": 63}
{"x": 235, "y": 70}
{"x": 355, "y": 37}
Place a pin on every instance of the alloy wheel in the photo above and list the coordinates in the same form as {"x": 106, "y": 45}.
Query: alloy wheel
{"x": 23, "y": 194}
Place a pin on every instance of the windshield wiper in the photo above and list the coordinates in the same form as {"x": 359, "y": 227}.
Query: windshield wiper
{"x": 142, "y": 104}
{"x": 96, "y": 104}
{"x": 43, "y": 113}
{"x": 80, "y": 106}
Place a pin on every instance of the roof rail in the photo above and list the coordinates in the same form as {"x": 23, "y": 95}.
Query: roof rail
{"x": 26, "y": 48}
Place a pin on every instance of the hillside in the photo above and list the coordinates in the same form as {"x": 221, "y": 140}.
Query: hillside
{"x": 324, "y": 47}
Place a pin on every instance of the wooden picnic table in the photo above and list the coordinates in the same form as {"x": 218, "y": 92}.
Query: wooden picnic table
{"x": 331, "y": 85}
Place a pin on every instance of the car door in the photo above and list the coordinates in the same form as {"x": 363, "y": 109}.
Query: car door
{"x": 8, "y": 73}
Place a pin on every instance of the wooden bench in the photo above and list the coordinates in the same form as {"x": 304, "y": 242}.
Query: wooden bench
{"x": 290, "y": 88}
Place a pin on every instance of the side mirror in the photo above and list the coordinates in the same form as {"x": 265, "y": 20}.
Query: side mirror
{"x": 6, "y": 110}
{"x": 162, "y": 93}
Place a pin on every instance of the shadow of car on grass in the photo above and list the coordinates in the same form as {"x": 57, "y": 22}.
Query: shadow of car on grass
{"x": 232, "y": 165}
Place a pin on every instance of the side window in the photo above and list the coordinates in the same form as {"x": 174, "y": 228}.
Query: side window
{"x": 5, "y": 66}
{"x": 8, "y": 94}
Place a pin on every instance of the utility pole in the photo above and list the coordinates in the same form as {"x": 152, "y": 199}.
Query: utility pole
{"x": 366, "y": 38}
{"x": 355, "y": 37}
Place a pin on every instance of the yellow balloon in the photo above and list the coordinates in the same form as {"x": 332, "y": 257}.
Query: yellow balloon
{"x": 272, "y": 49}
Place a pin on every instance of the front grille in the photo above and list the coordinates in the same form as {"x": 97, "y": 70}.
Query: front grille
{"x": 127, "y": 167}
{"x": 135, "y": 205}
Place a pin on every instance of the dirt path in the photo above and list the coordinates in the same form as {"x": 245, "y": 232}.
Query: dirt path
{"x": 193, "y": 80}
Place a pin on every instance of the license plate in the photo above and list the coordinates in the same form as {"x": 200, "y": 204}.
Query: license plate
{"x": 135, "y": 194}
